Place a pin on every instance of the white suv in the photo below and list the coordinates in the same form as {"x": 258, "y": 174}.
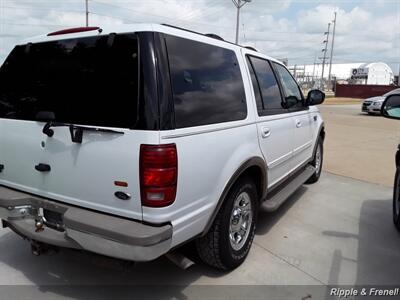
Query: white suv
{"x": 131, "y": 141}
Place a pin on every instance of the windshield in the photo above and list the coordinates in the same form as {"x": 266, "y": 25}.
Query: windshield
{"x": 88, "y": 81}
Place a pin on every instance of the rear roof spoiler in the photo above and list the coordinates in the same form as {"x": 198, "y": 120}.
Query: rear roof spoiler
{"x": 74, "y": 30}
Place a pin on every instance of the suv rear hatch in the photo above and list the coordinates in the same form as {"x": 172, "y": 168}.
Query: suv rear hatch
{"x": 79, "y": 87}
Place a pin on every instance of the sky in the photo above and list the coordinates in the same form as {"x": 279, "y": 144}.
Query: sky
{"x": 366, "y": 30}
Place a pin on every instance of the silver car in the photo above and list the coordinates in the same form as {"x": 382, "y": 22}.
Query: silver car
{"x": 373, "y": 105}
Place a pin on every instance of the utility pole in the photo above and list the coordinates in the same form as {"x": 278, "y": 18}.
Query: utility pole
{"x": 87, "y": 12}
{"x": 331, "y": 56}
{"x": 398, "y": 78}
{"x": 239, "y": 4}
{"x": 313, "y": 70}
{"x": 324, "y": 50}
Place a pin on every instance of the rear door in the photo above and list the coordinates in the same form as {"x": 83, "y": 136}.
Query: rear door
{"x": 93, "y": 82}
{"x": 301, "y": 118}
{"x": 274, "y": 124}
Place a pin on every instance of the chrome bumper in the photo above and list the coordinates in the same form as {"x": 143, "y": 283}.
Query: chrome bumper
{"x": 83, "y": 229}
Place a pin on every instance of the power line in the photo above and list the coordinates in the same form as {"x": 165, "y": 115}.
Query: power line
{"x": 41, "y": 8}
{"x": 154, "y": 15}
{"x": 38, "y": 25}
{"x": 135, "y": 11}
{"x": 187, "y": 18}
{"x": 197, "y": 13}
{"x": 145, "y": 13}
{"x": 190, "y": 15}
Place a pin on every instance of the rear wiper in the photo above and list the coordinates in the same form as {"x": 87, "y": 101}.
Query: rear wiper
{"x": 75, "y": 130}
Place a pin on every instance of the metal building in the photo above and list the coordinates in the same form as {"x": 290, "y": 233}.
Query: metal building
{"x": 361, "y": 73}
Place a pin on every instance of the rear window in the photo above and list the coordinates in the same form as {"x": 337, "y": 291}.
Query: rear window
{"x": 88, "y": 81}
{"x": 206, "y": 82}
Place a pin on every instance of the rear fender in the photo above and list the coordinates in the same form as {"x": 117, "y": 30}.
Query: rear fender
{"x": 252, "y": 162}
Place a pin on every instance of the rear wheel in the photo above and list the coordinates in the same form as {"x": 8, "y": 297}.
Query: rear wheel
{"x": 396, "y": 200}
{"x": 317, "y": 162}
{"x": 228, "y": 242}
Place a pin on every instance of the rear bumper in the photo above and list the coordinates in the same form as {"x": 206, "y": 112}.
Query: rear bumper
{"x": 84, "y": 229}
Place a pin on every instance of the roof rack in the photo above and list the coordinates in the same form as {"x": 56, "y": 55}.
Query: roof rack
{"x": 250, "y": 48}
{"x": 180, "y": 28}
{"x": 214, "y": 36}
{"x": 211, "y": 35}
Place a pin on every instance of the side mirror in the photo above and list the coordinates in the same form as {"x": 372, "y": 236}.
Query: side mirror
{"x": 391, "y": 107}
{"x": 315, "y": 97}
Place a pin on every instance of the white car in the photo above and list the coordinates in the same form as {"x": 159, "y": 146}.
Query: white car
{"x": 373, "y": 105}
{"x": 131, "y": 141}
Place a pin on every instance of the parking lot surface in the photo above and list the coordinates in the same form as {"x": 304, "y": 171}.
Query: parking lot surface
{"x": 358, "y": 145}
{"x": 338, "y": 231}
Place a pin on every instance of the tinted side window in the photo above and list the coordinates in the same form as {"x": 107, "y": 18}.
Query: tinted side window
{"x": 206, "y": 83}
{"x": 271, "y": 96}
{"x": 291, "y": 89}
{"x": 256, "y": 87}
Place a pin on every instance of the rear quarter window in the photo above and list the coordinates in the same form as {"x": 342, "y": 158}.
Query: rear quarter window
{"x": 206, "y": 83}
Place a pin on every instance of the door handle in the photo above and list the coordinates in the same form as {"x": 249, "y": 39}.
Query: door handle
{"x": 43, "y": 168}
{"x": 298, "y": 124}
{"x": 265, "y": 132}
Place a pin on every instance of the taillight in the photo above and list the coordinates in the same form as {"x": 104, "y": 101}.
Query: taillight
{"x": 158, "y": 174}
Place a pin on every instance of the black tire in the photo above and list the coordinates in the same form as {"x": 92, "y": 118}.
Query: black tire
{"x": 396, "y": 200}
{"x": 215, "y": 248}
{"x": 315, "y": 177}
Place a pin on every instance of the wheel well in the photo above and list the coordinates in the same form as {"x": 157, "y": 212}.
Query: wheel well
{"x": 256, "y": 174}
{"x": 254, "y": 169}
{"x": 322, "y": 133}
